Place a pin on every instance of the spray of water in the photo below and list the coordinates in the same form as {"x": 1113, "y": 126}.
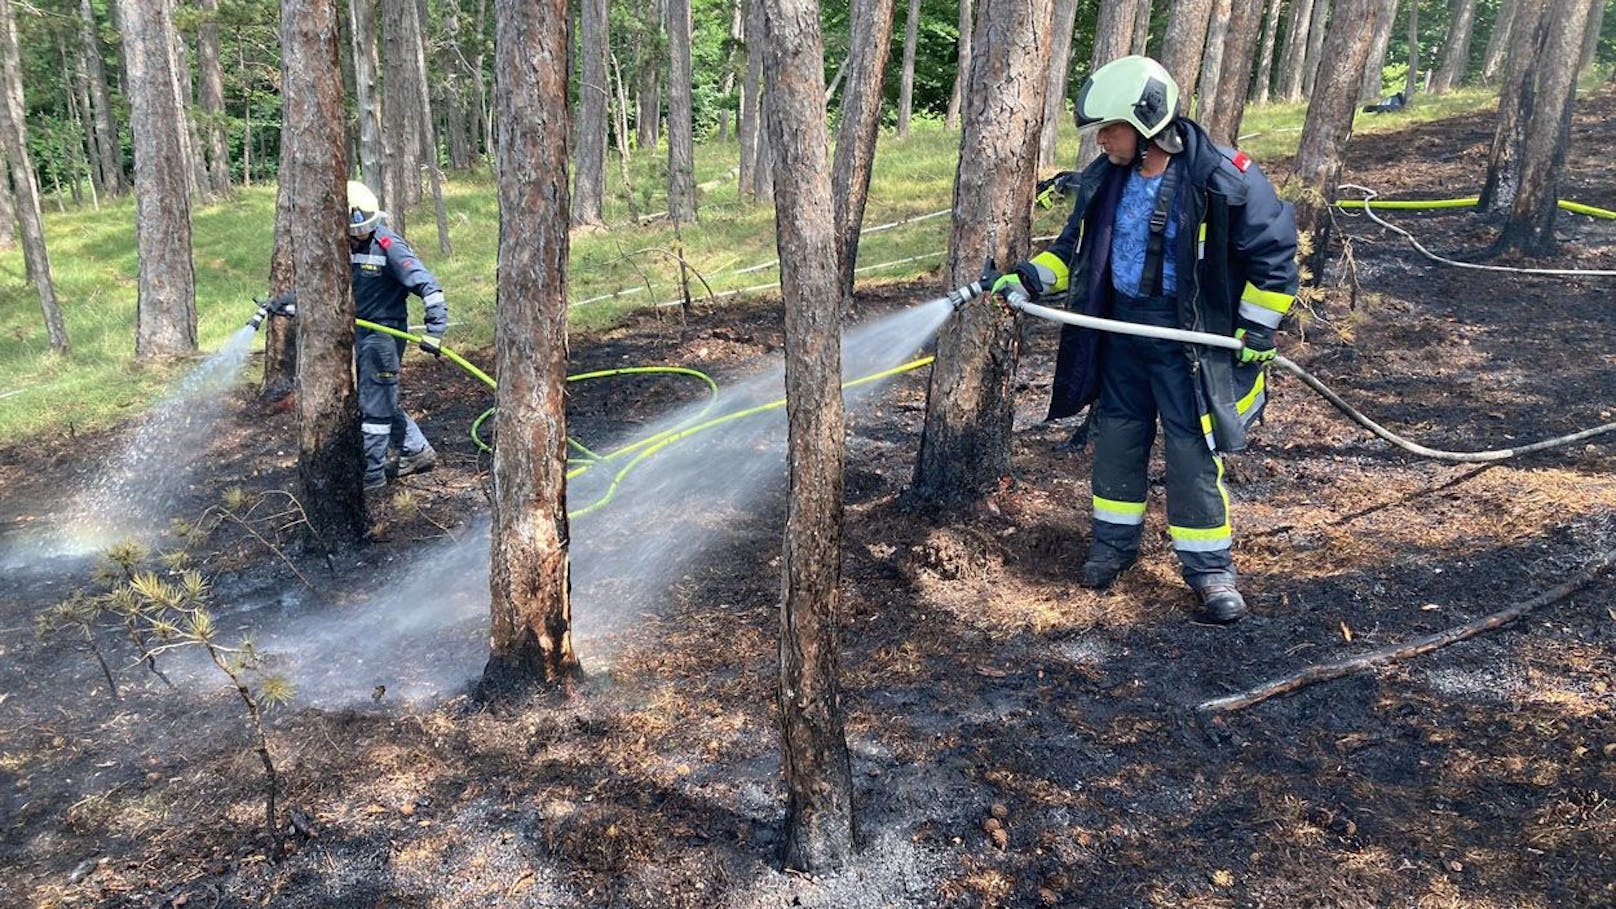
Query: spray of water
{"x": 133, "y": 495}
{"x": 426, "y": 633}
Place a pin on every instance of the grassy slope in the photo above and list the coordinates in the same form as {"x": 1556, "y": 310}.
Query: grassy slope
{"x": 94, "y": 261}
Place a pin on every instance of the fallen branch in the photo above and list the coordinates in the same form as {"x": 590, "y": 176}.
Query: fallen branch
{"x": 1326, "y": 672}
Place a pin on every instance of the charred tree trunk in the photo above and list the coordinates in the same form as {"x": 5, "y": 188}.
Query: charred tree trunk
{"x": 1184, "y": 44}
{"x": 14, "y": 135}
{"x": 1060, "y": 66}
{"x": 818, "y": 772}
{"x": 861, "y": 124}
{"x": 1265, "y": 59}
{"x": 329, "y": 463}
{"x": 1329, "y": 119}
{"x": 1229, "y": 104}
{"x": 589, "y": 182}
{"x": 1498, "y": 41}
{"x": 681, "y": 116}
{"x": 1113, "y": 36}
{"x": 108, "y": 145}
{"x": 965, "y": 446}
{"x": 529, "y": 574}
{"x": 1546, "y": 110}
{"x": 906, "y": 76}
{"x": 962, "y": 64}
{"x": 166, "y": 321}
{"x": 1456, "y": 53}
{"x": 1374, "y": 77}
{"x": 210, "y": 84}
{"x": 367, "y": 98}
{"x": 1514, "y": 102}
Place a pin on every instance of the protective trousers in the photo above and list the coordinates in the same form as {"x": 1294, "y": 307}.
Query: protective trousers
{"x": 1142, "y": 379}
{"x": 381, "y": 421}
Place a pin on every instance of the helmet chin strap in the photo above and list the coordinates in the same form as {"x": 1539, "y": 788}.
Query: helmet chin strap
{"x": 1139, "y": 148}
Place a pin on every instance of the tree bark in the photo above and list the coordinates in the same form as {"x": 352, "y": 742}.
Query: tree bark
{"x": 14, "y": 133}
{"x": 962, "y": 63}
{"x": 529, "y": 573}
{"x": 818, "y": 774}
{"x": 726, "y": 82}
{"x": 1590, "y": 42}
{"x": 1217, "y": 36}
{"x": 86, "y": 115}
{"x": 329, "y": 463}
{"x": 906, "y": 77}
{"x": 757, "y": 171}
{"x": 210, "y": 84}
{"x": 166, "y": 319}
{"x": 8, "y": 209}
{"x": 1265, "y": 59}
{"x": 108, "y": 145}
{"x": 589, "y": 182}
{"x": 426, "y": 125}
{"x": 1456, "y": 53}
{"x": 648, "y": 89}
{"x": 1328, "y": 125}
{"x": 1498, "y": 42}
{"x": 1060, "y": 67}
{"x": 401, "y": 145}
{"x": 861, "y": 124}
{"x": 1413, "y": 83}
{"x": 965, "y": 446}
{"x": 1288, "y": 81}
{"x": 367, "y": 98}
{"x": 1547, "y": 127}
{"x": 1374, "y": 77}
{"x": 681, "y": 116}
{"x": 1184, "y": 44}
{"x": 1113, "y": 36}
{"x": 196, "y": 168}
{"x": 1514, "y": 102}
{"x": 1229, "y": 104}
{"x": 280, "y": 335}
{"x": 1141, "y": 28}
{"x": 1315, "y": 46}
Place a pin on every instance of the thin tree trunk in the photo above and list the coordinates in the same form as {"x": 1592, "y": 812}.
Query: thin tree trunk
{"x": 8, "y": 208}
{"x": 246, "y": 113}
{"x": 401, "y": 143}
{"x": 452, "y": 93}
{"x": 754, "y": 135}
{"x": 1456, "y": 53}
{"x": 1547, "y": 127}
{"x": 280, "y": 335}
{"x": 1374, "y": 77}
{"x": 86, "y": 113}
{"x": 965, "y": 446}
{"x": 1184, "y": 44}
{"x": 196, "y": 168}
{"x": 1288, "y": 81}
{"x": 648, "y": 90}
{"x": 210, "y": 96}
{"x": 1498, "y": 41}
{"x": 1514, "y": 102}
{"x": 1217, "y": 35}
{"x": 1328, "y": 125}
{"x": 482, "y": 123}
{"x": 1265, "y": 59}
{"x": 906, "y": 84}
{"x": 589, "y": 182}
{"x": 681, "y": 114}
{"x": 166, "y": 311}
{"x": 861, "y": 124}
{"x": 1060, "y": 66}
{"x": 1141, "y": 29}
{"x": 818, "y": 771}
{"x": 1229, "y": 103}
{"x": 529, "y": 571}
{"x": 426, "y": 126}
{"x": 1590, "y": 43}
{"x": 1113, "y": 34}
{"x": 962, "y": 63}
{"x": 107, "y": 143}
{"x": 367, "y": 99}
{"x": 726, "y": 84}
{"x": 1413, "y": 83}
{"x": 14, "y": 133}
{"x": 1315, "y": 46}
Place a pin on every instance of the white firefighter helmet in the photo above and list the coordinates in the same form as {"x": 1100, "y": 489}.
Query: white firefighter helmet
{"x": 1135, "y": 90}
{"x": 364, "y": 212}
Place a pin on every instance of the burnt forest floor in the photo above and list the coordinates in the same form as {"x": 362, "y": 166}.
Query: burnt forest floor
{"x": 1016, "y": 740}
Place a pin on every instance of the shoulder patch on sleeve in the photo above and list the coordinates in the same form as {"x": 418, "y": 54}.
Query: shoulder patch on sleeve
{"x": 1241, "y": 161}
{"x": 386, "y": 242}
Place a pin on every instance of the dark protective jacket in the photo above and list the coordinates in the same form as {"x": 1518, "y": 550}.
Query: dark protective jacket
{"x": 385, "y": 273}
{"x": 1236, "y": 263}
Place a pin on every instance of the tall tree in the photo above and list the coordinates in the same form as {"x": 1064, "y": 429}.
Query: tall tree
{"x": 1113, "y": 38}
{"x": 855, "y": 138}
{"x": 529, "y": 571}
{"x": 1217, "y": 36}
{"x": 179, "y": 68}
{"x": 210, "y": 96}
{"x": 401, "y": 144}
{"x": 1315, "y": 46}
{"x": 1330, "y": 111}
{"x": 818, "y": 774}
{"x": 962, "y": 64}
{"x": 681, "y": 116}
{"x": 367, "y": 95}
{"x": 166, "y": 319}
{"x": 1374, "y": 77}
{"x": 906, "y": 76}
{"x": 1590, "y": 42}
{"x": 651, "y": 54}
{"x": 14, "y": 135}
{"x": 1413, "y": 82}
{"x": 965, "y": 446}
{"x": 749, "y": 126}
{"x": 1141, "y": 28}
{"x": 589, "y": 181}
{"x": 1265, "y": 57}
{"x": 280, "y": 335}
{"x": 109, "y": 149}
{"x": 1060, "y": 66}
{"x": 1547, "y": 96}
{"x": 329, "y": 464}
{"x": 1184, "y": 44}
{"x": 1514, "y": 102}
{"x": 426, "y": 125}
{"x": 1498, "y": 41}
{"x": 1228, "y": 106}
{"x": 1456, "y": 52}
{"x": 1293, "y": 61}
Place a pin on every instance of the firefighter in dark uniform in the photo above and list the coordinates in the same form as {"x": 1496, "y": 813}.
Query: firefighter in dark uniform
{"x": 1174, "y": 231}
{"x": 385, "y": 273}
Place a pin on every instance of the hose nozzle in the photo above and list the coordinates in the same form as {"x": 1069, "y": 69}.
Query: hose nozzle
{"x": 258, "y": 317}
{"x": 280, "y": 305}
{"x": 963, "y": 294}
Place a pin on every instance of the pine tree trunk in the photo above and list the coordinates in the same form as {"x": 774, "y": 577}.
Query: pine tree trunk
{"x": 1330, "y": 113}
{"x": 1514, "y": 101}
{"x": 329, "y": 463}
{"x": 1288, "y": 83}
{"x": 1184, "y": 44}
{"x": 1217, "y": 36}
{"x": 818, "y": 772}
{"x": 107, "y": 143}
{"x": 367, "y": 98}
{"x": 426, "y": 125}
{"x": 681, "y": 114}
{"x": 1547, "y": 127}
{"x": 965, "y": 447}
{"x": 1413, "y": 83}
{"x": 748, "y": 124}
{"x": 210, "y": 85}
{"x": 166, "y": 311}
{"x": 1141, "y": 28}
{"x": 861, "y": 124}
{"x": 1229, "y": 104}
{"x": 906, "y": 76}
{"x": 8, "y": 210}
{"x": 1590, "y": 42}
{"x": 589, "y": 182}
{"x": 1060, "y": 66}
{"x": 1265, "y": 59}
{"x": 1315, "y": 46}
{"x": 196, "y": 169}
{"x": 86, "y": 115}
{"x": 14, "y": 135}
{"x": 401, "y": 143}
{"x": 1456, "y": 53}
{"x": 280, "y": 334}
{"x": 726, "y": 83}
{"x": 1498, "y": 42}
{"x": 1374, "y": 77}
{"x": 648, "y": 87}
{"x": 1113, "y": 36}
{"x": 962, "y": 63}
{"x": 529, "y": 571}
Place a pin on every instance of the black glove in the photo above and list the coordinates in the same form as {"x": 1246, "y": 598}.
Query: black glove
{"x": 432, "y": 344}
{"x": 1259, "y": 345}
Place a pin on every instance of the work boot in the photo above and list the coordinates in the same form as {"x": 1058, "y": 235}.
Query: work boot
{"x": 1221, "y": 604}
{"x": 1101, "y": 570}
{"x": 375, "y": 483}
{"x": 418, "y": 462}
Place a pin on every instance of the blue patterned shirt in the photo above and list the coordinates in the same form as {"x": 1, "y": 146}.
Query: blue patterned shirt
{"x": 1131, "y": 232}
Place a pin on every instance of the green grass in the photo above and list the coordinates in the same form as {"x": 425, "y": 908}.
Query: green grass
{"x": 93, "y": 259}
